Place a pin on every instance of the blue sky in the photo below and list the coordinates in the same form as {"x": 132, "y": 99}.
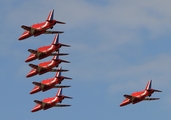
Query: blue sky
{"x": 116, "y": 47}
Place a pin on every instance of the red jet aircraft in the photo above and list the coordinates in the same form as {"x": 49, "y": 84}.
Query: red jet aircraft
{"x": 140, "y": 96}
{"x": 50, "y": 83}
{"x": 45, "y": 67}
{"x": 40, "y": 28}
{"x": 46, "y": 51}
{"x": 51, "y": 102}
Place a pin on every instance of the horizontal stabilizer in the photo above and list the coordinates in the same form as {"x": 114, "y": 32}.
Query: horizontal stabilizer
{"x": 61, "y": 105}
{"x": 33, "y": 66}
{"x": 157, "y": 90}
{"x": 61, "y": 86}
{"x": 67, "y": 78}
{"x": 65, "y": 45}
{"x": 32, "y": 51}
{"x": 56, "y": 70}
{"x": 154, "y": 90}
{"x": 67, "y": 97}
{"x": 65, "y": 61}
{"x": 59, "y": 22}
{"x": 151, "y": 98}
{"x": 59, "y": 54}
{"x": 53, "y": 32}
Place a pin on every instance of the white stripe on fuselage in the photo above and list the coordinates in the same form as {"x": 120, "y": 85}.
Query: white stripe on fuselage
{"x": 144, "y": 93}
{"x": 51, "y": 47}
{"x": 53, "y": 80}
{"x": 51, "y": 63}
{"x": 53, "y": 100}
{"x": 43, "y": 25}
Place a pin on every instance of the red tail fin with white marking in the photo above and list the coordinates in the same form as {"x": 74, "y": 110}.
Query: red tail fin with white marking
{"x": 58, "y": 74}
{"x": 56, "y": 40}
{"x": 59, "y": 93}
{"x": 148, "y": 86}
{"x": 50, "y": 16}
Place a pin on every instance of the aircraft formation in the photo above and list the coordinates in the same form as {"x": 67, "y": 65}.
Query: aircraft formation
{"x": 49, "y": 66}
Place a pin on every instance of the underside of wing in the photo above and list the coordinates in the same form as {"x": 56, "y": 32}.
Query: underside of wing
{"x": 53, "y": 32}
{"x": 61, "y": 105}
{"x": 151, "y": 98}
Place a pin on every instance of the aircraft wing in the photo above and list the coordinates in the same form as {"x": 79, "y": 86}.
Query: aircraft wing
{"x": 151, "y": 98}
{"x": 38, "y": 102}
{"x": 28, "y": 28}
{"x": 33, "y": 66}
{"x": 36, "y": 66}
{"x": 53, "y": 32}
{"x": 37, "y": 83}
{"x": 131, "y": 97}
{"x": 61, "y": 105}
{"x": 32, "y": 51}
{"x": 43, "y": 104}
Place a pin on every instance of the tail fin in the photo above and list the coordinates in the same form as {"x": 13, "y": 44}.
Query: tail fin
{"x": 56, "y": 39}
{"x": 59, "y": 93}
{"x": 50, "y": 16}
{"x": 59, "y": 72}
{"x": 148, "y": 86}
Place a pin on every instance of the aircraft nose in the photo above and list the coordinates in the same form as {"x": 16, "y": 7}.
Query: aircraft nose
{"x": 20, "y": 38}
{"x": 32, "y": 92}
{"x": 35, "y": 90}
{"x": 33, "y": 72}
{"x": 34, "y": 110}
{"x": 121, "y": 104}
{"x": 29, "y": 59}
{"x": 29, "y": 75}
